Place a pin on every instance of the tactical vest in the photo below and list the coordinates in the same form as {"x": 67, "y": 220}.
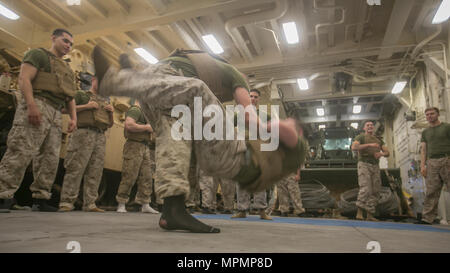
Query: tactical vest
{"x": 146, "y": 137}
{"x": 99, "y": 118}
{"x": 140, "y": 136}
{"x": 60, "y": 81}
{"x": 208, "y": 71}
{"x": 370, "y": 152}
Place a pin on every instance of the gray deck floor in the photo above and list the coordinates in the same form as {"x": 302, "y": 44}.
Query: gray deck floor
{"x": 26, "y": 231}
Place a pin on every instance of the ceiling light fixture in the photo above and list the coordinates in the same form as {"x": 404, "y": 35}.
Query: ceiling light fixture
{"x": 146, "y": 55}
{"x": 303, "y": 84}
{"x": 320, "y": 112}
{"x": 398, "y": 87}
{"x": 356, "y": 109}
{"x": 443, "y": 12}
{"x": 8, "y": 13}
{"x": 212, "y": 43}
{"x": 73, "y": 2}
{"x": 290, "y": 31}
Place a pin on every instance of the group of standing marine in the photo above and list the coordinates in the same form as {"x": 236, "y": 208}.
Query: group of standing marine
{"x": 49, "y": 90}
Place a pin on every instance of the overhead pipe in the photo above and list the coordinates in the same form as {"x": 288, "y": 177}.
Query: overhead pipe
{"x": 426, "y": 41}
{"x": 363, "y": 23}
{"x": 360, "y": 79}
{"x": 318, "y": 26}
{"x": 231, "y": 26}
{"x": 420, "y": 45}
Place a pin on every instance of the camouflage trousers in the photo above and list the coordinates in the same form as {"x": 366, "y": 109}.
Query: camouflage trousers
{"x": 193, "y": 197}
{"x": 288, "y": 189}
{"x": 243, "y": 200}
{"x": 369, "y": 182}
{"x": 138, "y": 160}
{"x": 28, "y": 143}
{"x": 438, "y": 174}
{"x": 209, "y": 187}
{"x": 159, "y": 88}
{"x": 84, "y": 161}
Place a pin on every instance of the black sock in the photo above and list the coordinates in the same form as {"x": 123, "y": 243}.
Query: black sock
{"x": 175, "y": 217}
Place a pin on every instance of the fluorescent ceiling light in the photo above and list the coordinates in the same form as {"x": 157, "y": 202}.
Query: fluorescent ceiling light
{"x": 356, "y": 109}
{"x": 320, "y": 112}
{"x": 303, "y": 84}
{"x": 354, "y": 125}
{"x": 290, "y": 31}
{"x": 442, "y": 13}
{"x": 322, "y": 126}
{"x": 212, "y": 43}
{"x": 146, "y": 55}
{"x": 398, "y": 87}
{"x": 8, "y": 13}
{"x": 73, "y": 2}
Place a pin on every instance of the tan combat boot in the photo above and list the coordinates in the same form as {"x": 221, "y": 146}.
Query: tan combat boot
{"x": 65, "y": 209}
{"x": 264, "y": 216}
{"x": 370, "y": 217}
{"x": 359, "y": 214}
{"x": 94, "y": 210}
{"x": 240, "y": 214}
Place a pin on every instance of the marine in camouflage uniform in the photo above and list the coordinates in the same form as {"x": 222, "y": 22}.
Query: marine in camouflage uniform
{"x": 7, "y": 105}
{"x": 161, "y": 87}
{"x": 138, "y": 161}
{"x": 289, "y": 190}
{"x": 36, "y": 132}
{"x": 435, "y": 164}
{"x": 243, "y": 196}
{"x": 370, "y": 148}
{"x": 86, "y": 150}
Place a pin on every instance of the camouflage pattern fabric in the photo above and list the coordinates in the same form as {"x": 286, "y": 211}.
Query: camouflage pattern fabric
{"x": 228, "y": 188}
{"x": 84, "y": 160}
{"x": 243, "y": 200}
{"x": 288, "y": 189}
{"x": 26, "y": 143}
{"x": 369, "y": 182}
{"x": 136, "y": 168}
{"x": 438, "y": 175}
{"x": 157, "y": 97}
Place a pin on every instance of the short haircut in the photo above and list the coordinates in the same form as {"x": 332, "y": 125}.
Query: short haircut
{"x": 255, "y": 90}
{"x": 364, "y": 123}
{"x": 432, "y": 108}
{"x": 59, "y": 32}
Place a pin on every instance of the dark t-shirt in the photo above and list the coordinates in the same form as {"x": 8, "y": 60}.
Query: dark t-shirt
{"x": 437, "y": 140}
{"x": 136, "y": 113}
